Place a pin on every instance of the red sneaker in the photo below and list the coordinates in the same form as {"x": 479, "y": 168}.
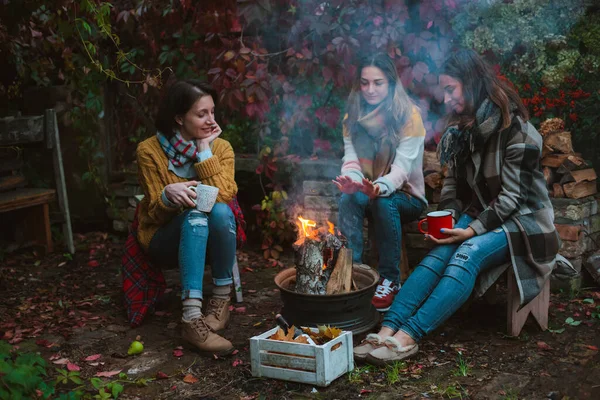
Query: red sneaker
{"x": 384, "y": 295}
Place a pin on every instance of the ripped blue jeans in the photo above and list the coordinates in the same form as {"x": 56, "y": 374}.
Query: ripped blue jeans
{"x": 443, "y": 281}
{"x": 186, "y": 238}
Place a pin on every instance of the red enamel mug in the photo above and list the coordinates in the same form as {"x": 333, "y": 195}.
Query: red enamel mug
{"x": 436, "y": 220}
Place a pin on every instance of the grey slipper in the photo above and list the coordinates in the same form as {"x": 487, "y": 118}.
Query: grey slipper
{"x": 371, "y": 342}
{"x": 391, "y": 351}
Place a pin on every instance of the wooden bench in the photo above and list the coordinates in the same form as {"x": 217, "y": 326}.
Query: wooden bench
{"x": 32, "y": 204}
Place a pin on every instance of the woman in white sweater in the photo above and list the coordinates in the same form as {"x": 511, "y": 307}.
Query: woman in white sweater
{"x": 383, "y": 168}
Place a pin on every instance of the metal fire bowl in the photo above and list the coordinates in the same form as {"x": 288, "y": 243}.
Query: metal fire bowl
{"x": 348, "y": 311}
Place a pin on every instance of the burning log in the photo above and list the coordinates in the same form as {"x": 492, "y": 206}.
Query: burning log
{"x": 341, "y": 278}
{"x": 317, "y": 251}
{"x": 309, "y": 268}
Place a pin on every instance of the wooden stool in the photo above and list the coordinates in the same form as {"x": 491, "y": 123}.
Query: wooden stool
{"x": 515, "y": 318}
{"x": 538, "y": 307}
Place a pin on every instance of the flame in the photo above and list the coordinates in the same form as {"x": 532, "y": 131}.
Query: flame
{"x": 331, "y": 228}
{"x": 307, "y": 227}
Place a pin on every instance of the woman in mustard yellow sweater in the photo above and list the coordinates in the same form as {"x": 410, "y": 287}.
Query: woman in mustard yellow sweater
{"x": 185, "y": 152}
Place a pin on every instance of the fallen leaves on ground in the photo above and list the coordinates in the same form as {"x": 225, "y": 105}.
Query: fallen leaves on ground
{"x": 93, "y": 357}
{"x": 73, "y": 367}
{"x": 161, "y": 375}
{"x": 108, "y": 374}
{"x": 178, "y": 352}
{"x": 189, "y": 378}
{"x": 543, "y": 346}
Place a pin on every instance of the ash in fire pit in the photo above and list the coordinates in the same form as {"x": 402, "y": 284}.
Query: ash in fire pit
{"x": 323, "y": 262}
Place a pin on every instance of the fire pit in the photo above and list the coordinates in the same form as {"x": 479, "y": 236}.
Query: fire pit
{"x": 350, "y": 311}
{"x": 325, "y": 288}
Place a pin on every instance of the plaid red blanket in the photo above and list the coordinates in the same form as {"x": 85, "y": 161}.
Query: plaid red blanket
{"x": 143, "y": 283}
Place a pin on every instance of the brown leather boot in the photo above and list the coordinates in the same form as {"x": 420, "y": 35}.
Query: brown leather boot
{"x": 198, "y": 333}
{"x": 217, "y": 314}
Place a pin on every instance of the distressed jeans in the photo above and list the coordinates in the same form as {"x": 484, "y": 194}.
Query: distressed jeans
{"x": 185, "y": 240}
{"x": 389, "y": 213}
{"x": 443, "y": 281}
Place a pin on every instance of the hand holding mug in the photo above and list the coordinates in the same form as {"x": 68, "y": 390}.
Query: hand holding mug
{"x": 181, "y": 193}
{"x": 440, "y": 229}
{"x": 436, "y": 221}
{"x": 456, "y": 235}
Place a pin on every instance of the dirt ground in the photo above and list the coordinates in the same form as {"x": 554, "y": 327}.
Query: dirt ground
{"x": 72, "y": 309}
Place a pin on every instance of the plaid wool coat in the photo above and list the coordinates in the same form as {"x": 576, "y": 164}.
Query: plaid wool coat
{"x": 506, "y": 176}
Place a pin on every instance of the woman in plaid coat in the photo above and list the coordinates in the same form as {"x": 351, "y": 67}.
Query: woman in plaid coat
{"x": 497, "y": 194}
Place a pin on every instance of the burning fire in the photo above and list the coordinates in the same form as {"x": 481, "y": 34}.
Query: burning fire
{"x": 307, "y": 229}
{"x": 331, "y": 228}
{"x": 307, "y": 226}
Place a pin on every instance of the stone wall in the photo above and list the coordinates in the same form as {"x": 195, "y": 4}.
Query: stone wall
{"x": 122, "y": 203}
{"x": 578, "y": 225}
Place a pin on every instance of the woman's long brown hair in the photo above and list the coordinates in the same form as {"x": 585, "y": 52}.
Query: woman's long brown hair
{"x": 397, "y": 104}
{"x": 480, "y": 82}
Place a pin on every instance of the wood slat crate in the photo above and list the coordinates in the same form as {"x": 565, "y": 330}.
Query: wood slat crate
{"x": 298, "y": 362}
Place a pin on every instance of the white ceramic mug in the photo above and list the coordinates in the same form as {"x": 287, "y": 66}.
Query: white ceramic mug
{"x": 206, "y": 196}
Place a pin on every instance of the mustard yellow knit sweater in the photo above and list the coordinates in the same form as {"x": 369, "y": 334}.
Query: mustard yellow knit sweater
{"x": 154, "y": 175}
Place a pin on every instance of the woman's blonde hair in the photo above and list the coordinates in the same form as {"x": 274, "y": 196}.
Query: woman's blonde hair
{"x": 397, "y": 105}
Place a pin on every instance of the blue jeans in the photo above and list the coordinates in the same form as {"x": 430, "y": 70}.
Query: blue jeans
{"x": 389, "y": 213}
{"x": 185, "y": 239}
{"x": 443, "y": 281}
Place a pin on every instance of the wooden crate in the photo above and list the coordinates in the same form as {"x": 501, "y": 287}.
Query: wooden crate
{"x": 298, "y": 362}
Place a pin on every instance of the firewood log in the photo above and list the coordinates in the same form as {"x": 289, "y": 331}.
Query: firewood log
{"x": 579, "y": 176}
{"x": 560, "y": 142}
{"x": 578, "y": 190}
{"x": 431, "y": 162}
{"x": 554, "y": 160}
{"x": 548, "y": 176}
{"x": 309, "y": 267}
{"x": 341, "y": 278}
{"x": 434, "y": 180}
{"x": 558, "y": 191}
{"x": 572, "y": 163}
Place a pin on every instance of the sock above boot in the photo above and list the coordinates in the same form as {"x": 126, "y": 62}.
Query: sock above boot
{"x": 192, "y": 309}
{"x": 222, "y": 292}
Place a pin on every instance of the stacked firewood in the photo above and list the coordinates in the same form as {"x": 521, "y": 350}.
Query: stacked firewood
{"x": 434, "y": 176}
{"x": 567, "y": 173}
